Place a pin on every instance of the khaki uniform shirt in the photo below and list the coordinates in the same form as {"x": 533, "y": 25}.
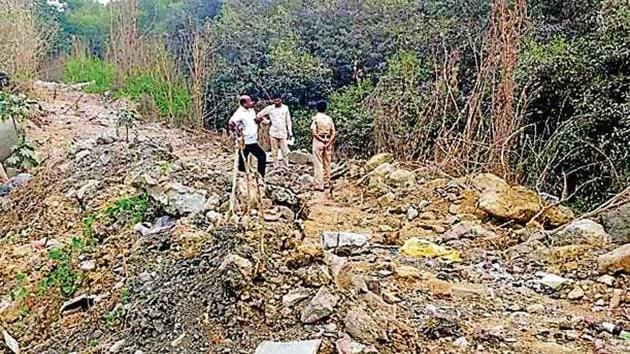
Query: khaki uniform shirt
{"x": 323, "y": 124}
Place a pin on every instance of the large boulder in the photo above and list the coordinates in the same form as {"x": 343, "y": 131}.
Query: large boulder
{"x": 402, "y": 178}
{"x": 378, "y": 160}
{"x": 615, "y": 261}
{"x": 617, "y": 223}
{"x": 516, "y": 203}
{"x": 582, "y": 232}
{"x": 8, "y": 138}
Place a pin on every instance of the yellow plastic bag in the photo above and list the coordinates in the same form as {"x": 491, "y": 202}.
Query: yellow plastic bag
{"x": 422, "y": 248}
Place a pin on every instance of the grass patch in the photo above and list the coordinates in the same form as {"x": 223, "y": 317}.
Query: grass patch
{"x": 129, "y": 209}
{"x": 171, "y": 98}
{"x": 89, "y": 69}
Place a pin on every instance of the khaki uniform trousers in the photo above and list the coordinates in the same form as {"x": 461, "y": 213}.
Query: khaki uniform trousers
{"x": 321, "y": 163}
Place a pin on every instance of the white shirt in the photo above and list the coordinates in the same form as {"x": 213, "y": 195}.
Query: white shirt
{"x": 280, "y": 119}
{"x": 246, "y": 119}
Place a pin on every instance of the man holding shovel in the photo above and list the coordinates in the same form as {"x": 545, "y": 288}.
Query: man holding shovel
{"x": 323, "y": 130}
{"x": 244, "y": 124}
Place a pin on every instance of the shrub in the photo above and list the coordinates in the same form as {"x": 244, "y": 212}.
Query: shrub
{"x": 353, "y": 119}
{"x": 579, "y": 117}
{"x": 170, "y": 96}
{"x": 101, "y": 75}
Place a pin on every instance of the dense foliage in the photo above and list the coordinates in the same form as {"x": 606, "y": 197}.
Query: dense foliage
{"x": 412, "y": 77}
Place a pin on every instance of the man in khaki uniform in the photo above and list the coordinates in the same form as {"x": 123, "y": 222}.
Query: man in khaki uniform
{"x": 323, "y": 130}
{"x": 280, "y": 130}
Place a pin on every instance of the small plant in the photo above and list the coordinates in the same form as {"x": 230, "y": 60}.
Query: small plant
{"x": 23, "y": 155}
{"x": 93, "y": 343}
{"x": 13, "y": 107}
{"x": 19, "y": 292}
{"x": 89, "y": 235}
{"x": 132, "y": 209}
{"x": 165, "y": 168}
{"x": 124, "y": 295}
{"x": 127, "y": 119}
{"x": 63, "y": 276}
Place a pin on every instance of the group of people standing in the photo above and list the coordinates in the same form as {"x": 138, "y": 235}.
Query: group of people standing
{"x": 244, "y": 124}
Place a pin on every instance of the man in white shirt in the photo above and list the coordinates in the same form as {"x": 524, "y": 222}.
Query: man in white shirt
{"x": 280, "y": 130}
{"x": 245, "y": 124}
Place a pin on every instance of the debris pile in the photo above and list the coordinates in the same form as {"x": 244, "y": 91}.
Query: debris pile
{"x": 132, "y": 248}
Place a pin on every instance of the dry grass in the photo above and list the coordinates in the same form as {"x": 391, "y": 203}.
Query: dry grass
{"x": 23, "y": 39}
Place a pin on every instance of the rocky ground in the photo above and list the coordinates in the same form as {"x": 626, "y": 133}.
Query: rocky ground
{"x": 132, "y": 248}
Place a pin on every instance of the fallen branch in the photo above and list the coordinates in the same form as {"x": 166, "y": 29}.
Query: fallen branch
{"x": 619, "y": 199}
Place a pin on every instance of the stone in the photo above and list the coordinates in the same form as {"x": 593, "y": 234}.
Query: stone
{"x": 582, "y": 232}
{"x": 461, "y": 342}
{"x": 10, "y": 342}
{"x": 345, "y": 242}
{"x": 106, "y": 138}
{"x": 576, "y": 294}
{"x": 466, "y": 229}
{"x": 407, "y": 272}
{"x": 535, "y": 308}
{"x": 320, "y": 307}
{"x": 377, "y": 160}
{"x": 286, "y": 213}
{"x": 378, "y": 178}
{"x": 402, "y": 178}
{"x": 427, "y": 215}
{"x": 518, "y": 203}
{"x": 212, "y": 203}
{"x": 214, "y": 217}
{"x": 178, "y": 199}
{"x": 87, "y": 265}
{"x": 117, "y": 347}
{"x": 412, "y": 213}
{"x": 617, "y": 224}
{"x": 615, "y": 261}
{"x": 295, "y": 347}
{"x": 553, "y": 281}
{"x": 306, "y": 180}
{"x": 282, "y": 195}
{"x": 161, "y": 224}
{"x": 88, "y": 189}
{"x": 345, "y": 345}
{"x": 8, "y": 138}
{"x": 82, "y": 155}
{"x": 237, "y": 271}
{"x": 606, "y": 279}
{"x": 300, "y": 157}
{"x": 294, "y": 297}
{"x": 361, "y": 326}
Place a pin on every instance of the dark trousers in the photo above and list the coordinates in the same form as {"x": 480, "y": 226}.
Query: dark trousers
{"x": 260, "y": 155}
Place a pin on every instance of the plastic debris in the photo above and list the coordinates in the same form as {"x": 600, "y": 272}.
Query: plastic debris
{"x": 422, "y": 248}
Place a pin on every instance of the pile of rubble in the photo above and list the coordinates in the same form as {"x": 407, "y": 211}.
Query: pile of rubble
{"x": 397, "y": 260}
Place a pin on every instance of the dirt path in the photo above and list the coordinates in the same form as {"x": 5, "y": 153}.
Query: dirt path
{"x": 172, "y": 291}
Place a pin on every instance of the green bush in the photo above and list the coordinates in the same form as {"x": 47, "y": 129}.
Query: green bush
{"x": 89, "y": 69}
{"x": 353, "y": 119}
{"x": 171, "y": 97}
{"x": 579, "y": 118}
